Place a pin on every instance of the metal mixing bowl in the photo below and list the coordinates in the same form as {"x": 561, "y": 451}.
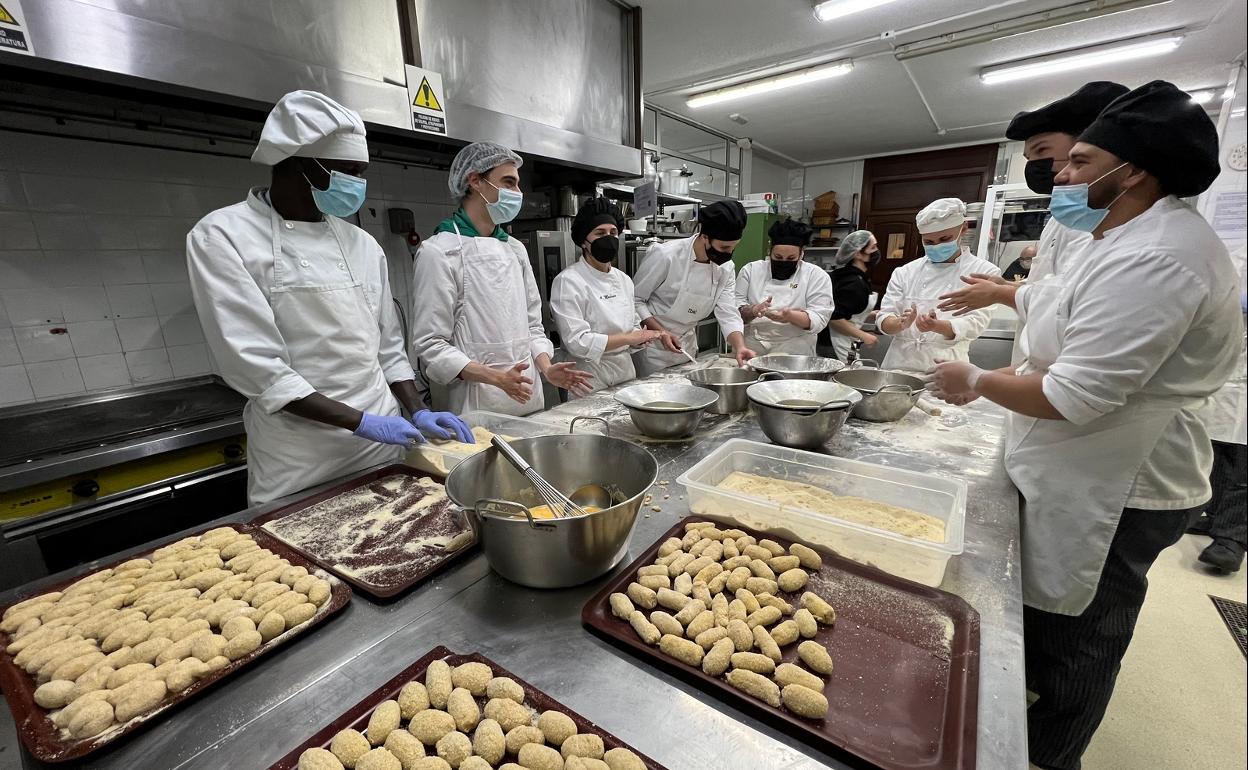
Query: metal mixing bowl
{"x": 797, "y": 367}
{"x": 553, "y": 553}
{"x": 886, "y": 395}
{"x": 789, "y": 410}
{"x": 730, "y": 383}
{"x": 666, "y": 409}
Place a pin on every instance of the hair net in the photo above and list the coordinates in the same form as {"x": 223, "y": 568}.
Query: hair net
{"x": 479, "y": 157}
{"x": 851, "y": 245}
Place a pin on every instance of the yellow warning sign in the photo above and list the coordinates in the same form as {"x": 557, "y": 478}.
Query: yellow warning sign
{"x": 6, "y": 17}
{"x": 425, "y": 97}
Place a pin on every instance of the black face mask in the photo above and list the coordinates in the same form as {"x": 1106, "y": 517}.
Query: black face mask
{"x": 873, "y": 258}
{"x": 782, "y": 271}
{"x": 717, "y": 256}
{"x": 605, "y": 249}
{"x": 1039, "y": 174}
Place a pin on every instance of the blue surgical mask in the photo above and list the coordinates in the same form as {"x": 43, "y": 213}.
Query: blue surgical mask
{"x": 343, "y": 197}
{"x": 942, "y": 252}
{"x": 507, "y": 207}
{"x": 1069, "y": 205}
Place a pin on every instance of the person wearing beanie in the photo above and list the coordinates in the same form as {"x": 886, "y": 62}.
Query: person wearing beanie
{"x": 296, "y": 308}
{"x": 784, "y": 301}
{"x": 852, "y": 298}
{"x": 922, "y": 334}
{"x": 592, "y": 301}
{"x": 682, "y": 281}
{"x": 477, "y": 314}
{"x": 1106, "y": 446}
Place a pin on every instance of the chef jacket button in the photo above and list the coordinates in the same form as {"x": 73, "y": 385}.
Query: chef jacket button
{"x": 290, "y": 225}
{"x": 304, "y": 262}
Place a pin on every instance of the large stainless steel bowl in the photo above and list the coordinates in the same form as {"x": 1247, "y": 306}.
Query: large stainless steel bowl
{"x": 730, "y": 383}
{"x": 797, "y": 413}
{"x": 797, "y": 367}
{"x": 553, "y": 553}
{"x": 666, "y": 409}
{"x": 886, "y": 395}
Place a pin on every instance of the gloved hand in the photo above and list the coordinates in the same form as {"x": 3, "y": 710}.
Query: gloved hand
{"x": 389, "y": 430}
{"x": 954, "y": 381}
{"x": 443, "y": 425}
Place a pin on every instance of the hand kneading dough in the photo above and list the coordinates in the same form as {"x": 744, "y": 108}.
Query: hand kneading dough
{"x": 319, "y": 759}
{"x": 454, "y": 747}
{"x": 405, "y": 746}
{"x": 556, "y": 726}
{"x": 488, "y": 742}
{"x": 378, "y": 759}
{"x": 349, "y": 745}
{"x": 384, "y": 720}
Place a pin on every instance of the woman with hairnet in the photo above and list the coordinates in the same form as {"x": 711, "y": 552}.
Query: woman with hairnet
{"x": 851, "y": 292}
{"x": 784, "y": 301}
{"x": 477, "y": 320}
{"x": 592, "y": 301}
{"x": 923, "y": 334}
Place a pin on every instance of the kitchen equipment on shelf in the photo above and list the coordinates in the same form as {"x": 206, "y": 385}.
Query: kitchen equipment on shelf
{"x": 792, "y": 367}
{"x": 803, "y": 414}
{"x": 666, "y": 409}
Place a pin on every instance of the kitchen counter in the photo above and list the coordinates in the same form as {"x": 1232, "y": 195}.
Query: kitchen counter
{"x": 258, "y": 715}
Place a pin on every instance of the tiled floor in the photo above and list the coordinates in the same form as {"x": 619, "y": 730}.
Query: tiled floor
{"x": 1181, "y": 696}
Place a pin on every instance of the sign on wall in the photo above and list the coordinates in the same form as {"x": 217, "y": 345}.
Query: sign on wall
{"x": 427, "y": 100}
{"x": 14, "y": 36}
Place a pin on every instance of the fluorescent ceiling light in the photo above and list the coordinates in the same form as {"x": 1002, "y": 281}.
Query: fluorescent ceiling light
{"x": 774, "y": 83}
{"x": 1202, "y": 97}
{"x": 1123, "y": 50}
{"x": 835, "y": 9}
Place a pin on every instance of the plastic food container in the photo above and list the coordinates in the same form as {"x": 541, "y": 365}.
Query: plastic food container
{"x": 922, "y": 561}
{"x": 438, "y": 459}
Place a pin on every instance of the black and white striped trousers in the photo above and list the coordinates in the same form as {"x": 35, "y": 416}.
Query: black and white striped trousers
{"x": 1072, "y": 661}
{"x": 1228, "y": 510}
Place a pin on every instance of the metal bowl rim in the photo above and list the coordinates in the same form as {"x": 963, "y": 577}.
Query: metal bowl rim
{"x": 709, "y": 397}
{"x": 915, "y": 389}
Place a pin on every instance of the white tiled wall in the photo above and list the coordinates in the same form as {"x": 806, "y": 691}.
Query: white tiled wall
{"x": 93, "y": 285}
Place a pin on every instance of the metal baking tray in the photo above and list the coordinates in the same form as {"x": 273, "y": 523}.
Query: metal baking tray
{"x": 42, "y": 738}
{"x": 357, "y": 716}
{"x": 385, "y": 551}
{"x": 904, "y": 691}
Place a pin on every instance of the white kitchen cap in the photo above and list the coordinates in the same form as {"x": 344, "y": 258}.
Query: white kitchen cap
{"x": 941, "y": 214}
{"x": 311, "y": 125}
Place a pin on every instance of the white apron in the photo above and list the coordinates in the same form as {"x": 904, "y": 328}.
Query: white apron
{"x": 765, "y": 336}
{"x": 491, "y": 328}
{"x": 332, "y": 337}
{"x": 610, "y": 314}
{"x": 916, "y": 351}
{"x": 841, "y": 343}
{"x": 1075, "y": 479}
{"x": 691, "y": 306}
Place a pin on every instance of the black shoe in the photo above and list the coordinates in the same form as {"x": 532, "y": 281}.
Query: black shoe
{"x": 1226, "y": 555}
{"x": 1200, "y": 526}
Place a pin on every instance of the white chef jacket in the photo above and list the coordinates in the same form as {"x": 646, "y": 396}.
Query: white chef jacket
{"x": 475, "y": 299}
{"x": 809, "y": 289}
{"x": 921, "y": 282}
{"x": 1225, "y": 414}
{"x": 1053, "y": 251}
{"x": 1153, "y": 315}
{"x": 237, "y": 281}
{"x": 588, "y": 305}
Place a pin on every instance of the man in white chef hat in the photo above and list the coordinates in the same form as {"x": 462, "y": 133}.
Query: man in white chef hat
{"x": 296, "y": 307}
{"x": 923, "y": 334}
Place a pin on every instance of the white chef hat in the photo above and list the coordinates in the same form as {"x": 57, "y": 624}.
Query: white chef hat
{"x": 941, "y": 214}
{"x": 311, "y": 125}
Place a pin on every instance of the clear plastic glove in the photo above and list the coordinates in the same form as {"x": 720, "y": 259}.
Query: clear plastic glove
{"x": 954, "y": 382}
{"x": 442, "y": 425}
{"x": 389, "y": 430}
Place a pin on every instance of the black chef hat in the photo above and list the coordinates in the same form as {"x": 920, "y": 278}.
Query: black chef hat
{"x": 790, "y": 232}
{"x": 594, "y": 212}
{"x": 723, "y": 220}
{"x": 1068, "y": 115}
{"x": 1158, "y": 128}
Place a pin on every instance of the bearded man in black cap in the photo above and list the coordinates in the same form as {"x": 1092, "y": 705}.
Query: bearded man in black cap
{"x": 680, "y": 282}
{"x": 1106, "y": 447}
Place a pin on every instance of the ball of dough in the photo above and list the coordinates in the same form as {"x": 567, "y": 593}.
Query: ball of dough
{"x": 787, "y": 673}
{"x": 95, "y": 679}
{"x": 556, "y": 726}
{"x": 454, "y": 747}
{"x": 413, "y": 698}
{"x": 816, "y": 656}
{"x": 405, "y": 746}
{"x": 473, "y": 677}
{"x": 785, "y": 633}
{"x": 271, "y": 625}
{"x": 535, "y": 756}
{"x": 765, "y": 644}
{"x": 243, "y": 644}
{"x": 92, "y": 719}
{"x": 522, "y": 734}
{"x": 753, "y": 661}
{"x": 684, "y": 650}
{"x": 384, "y": 720}
{"x": 430, "y": 725}
{"x": 621, "y": 605}
{"x": 186, "y": 674}
{"x": 235, "y": 626}
{"x": 507, "y": 713}
{"x": 809, "y": 558}
{"x": 716, "y": 661}
{"x": 804, "y": 702}
{"x": 463, "y": 709}
{"x": 430, "y": 763}
{"x": 475, "y": 763}
{"x": 505, "y": 687}
{"x": 755, "y": 685}
{"x": 623, "y": 759}
{"x": 79, "y": 665}
{"x": 298, "y": 614}
{"x": 207, "y": 647}
{"x": 822, "y": 611}
{"x": 54, "y": 694}
{"x": 140, "y": 697}
{"x": 438, "y": 683}
{"x": 217, "y": 663}
{"x": 488, "y": 742}
{"x": 793, "y": 580}
{"x": 378, "y": 759}
{"x": 349, "y": 745}
{"x": 807, "y": 626}
{"x": 126, "y": 674}
{"x": 584, "y": 763}
{"x": 319, "y": 759}
{"x": 583, "y": 745}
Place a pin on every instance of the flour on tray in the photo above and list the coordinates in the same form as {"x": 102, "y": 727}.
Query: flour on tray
{"x": 385, "y": 533}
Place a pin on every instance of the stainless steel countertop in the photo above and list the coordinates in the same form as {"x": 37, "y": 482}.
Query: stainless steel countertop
{"x": 258, "y": 715}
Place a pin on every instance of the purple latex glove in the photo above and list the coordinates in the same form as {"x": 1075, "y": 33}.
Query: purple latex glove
{"x": 389, "y": 430}
{"x": 443, "y": 425}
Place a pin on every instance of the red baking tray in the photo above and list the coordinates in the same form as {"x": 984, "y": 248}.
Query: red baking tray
{"x": 357, "y": 716}
{"x": 385, "y": 550}
{"x": 904, "y": 691}
{"x": 42, "y": 738}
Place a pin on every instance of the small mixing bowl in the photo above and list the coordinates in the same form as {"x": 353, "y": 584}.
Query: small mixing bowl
{"x": 802, "y": 414}
{"x": 792, "y": 367}
{"x": 730, "y": 383}
{"x": 666, "y": 409}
